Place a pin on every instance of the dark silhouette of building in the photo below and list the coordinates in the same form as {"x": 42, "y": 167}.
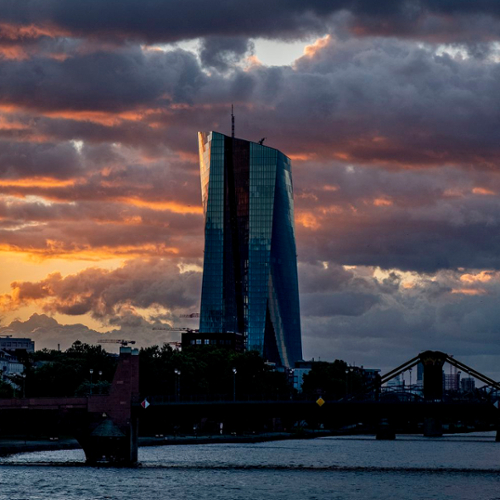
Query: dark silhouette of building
{"x": 230, "y": 341}
{"x": 250, "y": 283}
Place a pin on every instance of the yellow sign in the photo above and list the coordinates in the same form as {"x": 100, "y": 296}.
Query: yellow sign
{"x": 320, "y": 402}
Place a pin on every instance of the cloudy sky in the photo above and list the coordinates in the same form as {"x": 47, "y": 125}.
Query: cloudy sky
{"x": 389, "y": 110}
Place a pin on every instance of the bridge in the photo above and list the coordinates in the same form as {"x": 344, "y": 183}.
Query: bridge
{"x": 106, "y": 426}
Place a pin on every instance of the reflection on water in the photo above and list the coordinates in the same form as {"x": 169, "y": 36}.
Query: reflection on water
{"x": 412, "y": 467}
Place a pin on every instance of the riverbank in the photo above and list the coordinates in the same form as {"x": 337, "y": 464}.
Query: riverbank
{"x": 14, "y": 446}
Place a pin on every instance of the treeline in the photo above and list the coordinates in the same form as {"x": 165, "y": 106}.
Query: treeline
{"x": 202, "y": 372}
{"x": 333, "y": 381}
{"x": 65, "y": 373}
{"x": 209, "y": 372}
{"x": 198, "y": 372}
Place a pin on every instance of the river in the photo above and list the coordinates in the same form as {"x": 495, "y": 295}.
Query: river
{"x": 410, "y": 468}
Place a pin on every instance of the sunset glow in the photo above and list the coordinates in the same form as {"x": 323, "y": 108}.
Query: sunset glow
{"x": 389, "y": 116}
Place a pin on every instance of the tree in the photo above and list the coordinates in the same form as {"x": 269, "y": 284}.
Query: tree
{"x": 6, "y": 390}
{"x": 55, "y": 373}
{"x": 332, "y": 380}
{"x": 207, "y": 371}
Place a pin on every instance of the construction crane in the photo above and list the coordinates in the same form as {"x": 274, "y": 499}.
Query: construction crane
{"x": 116, "y": 341}
{"x": 192, "y": 315}
{"x": 6, "y": 336}
{"x": 175, "y": 343}
{"x": 175, "y": 329}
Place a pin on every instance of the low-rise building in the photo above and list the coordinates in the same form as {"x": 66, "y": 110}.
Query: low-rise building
{"x": 12, "y": 344}
{"x": 9, "y": 365}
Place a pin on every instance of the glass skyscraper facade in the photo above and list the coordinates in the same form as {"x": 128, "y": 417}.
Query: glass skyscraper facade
{"x": 250, "y": 283}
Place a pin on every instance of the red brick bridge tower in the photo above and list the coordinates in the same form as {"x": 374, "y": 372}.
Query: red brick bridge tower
{"x": 111, "y": 431}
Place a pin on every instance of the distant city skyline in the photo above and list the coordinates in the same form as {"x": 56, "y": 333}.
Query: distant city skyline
{"x": 388, "y": 111}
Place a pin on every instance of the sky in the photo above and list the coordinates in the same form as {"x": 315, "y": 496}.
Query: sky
{"x": 390, "y": 112}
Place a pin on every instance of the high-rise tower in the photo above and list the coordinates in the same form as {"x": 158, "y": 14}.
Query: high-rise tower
{"x": 250, "y": 266}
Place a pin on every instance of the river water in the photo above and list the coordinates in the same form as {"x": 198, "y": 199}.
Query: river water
{"x": 410, "y": 468}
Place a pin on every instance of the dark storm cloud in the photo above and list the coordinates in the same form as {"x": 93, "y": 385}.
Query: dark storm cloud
{"x": 109, "y": 81}
{"x": 390, "y": 101}
{"x": 222, "y": 53}
{"x": 167, "y": 21}
{"x": 337, "y": 304}
{"x": 328, "y": 289}
{"x": 379, "y": 101}
{"x": 374, "y": 102}
{"x": 413, "y": 220}
{"x": 28, "y": 159}
{"x": 454, "y": 312}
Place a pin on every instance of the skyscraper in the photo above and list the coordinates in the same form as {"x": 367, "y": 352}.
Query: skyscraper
{"x": 250, "y": 281}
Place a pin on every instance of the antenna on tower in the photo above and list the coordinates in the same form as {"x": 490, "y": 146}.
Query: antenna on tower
{"x": 232, "y": 121}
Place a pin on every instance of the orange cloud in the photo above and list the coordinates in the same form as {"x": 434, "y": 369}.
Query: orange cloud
{"x": 109, "y": 293}
{"x": 382, "y": 202}
{"x": 13, "y": 53}
{"x": 482, "y": 277}
{"x": 172, "y": 206}
{"x": 342, "y": 156}
{"x": 308, "y": 220}
{"x": 252, "y": 62}
{"x": 15, "y": 32}
{"x": 60, "y": 250}
{"x": 332, "y": 209}
{"x": 469, "y": 291}
{"x": 302, "y": 156}
{"x": 100, "y": 117}
{"x": 320, "y": 43}
{"x": 9, "y": 108}
{"x": 11, "y": 125}
{"x": 14, "y": 35}
{"x": 483, "y": 191}
{"x": 37, "y": 182}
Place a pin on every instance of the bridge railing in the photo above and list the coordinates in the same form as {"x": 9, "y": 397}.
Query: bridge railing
{"x": 226, "y": 398}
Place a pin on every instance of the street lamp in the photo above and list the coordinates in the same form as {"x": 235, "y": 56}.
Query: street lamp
{"x": 91, "y": 372}
{"x": 100, "y": 382}
{"x": 234, "y": 383}
{"x": 24, "y": 384}
{"x": 346, "y": 382}
{"x": 177, "y": 384}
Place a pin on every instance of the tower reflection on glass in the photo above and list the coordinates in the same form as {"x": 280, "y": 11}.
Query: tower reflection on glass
{"x": 250, "y": 283}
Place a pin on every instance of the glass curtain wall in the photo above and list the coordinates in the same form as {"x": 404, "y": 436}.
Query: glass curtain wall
{"x": 250, "y": 281}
